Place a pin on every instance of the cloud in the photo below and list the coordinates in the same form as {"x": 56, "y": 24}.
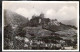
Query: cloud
{"x": 26, "y": 12}
{"x": 65, "y": 13}
{"x": 22, "y": 11}
{"x": 50, "y": 13}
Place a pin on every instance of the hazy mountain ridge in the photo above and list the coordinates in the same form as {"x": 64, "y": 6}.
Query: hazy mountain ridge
{"x": 14, "y": 18}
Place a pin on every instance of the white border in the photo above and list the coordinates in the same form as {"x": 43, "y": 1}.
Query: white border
{"x": 41, "y": 2}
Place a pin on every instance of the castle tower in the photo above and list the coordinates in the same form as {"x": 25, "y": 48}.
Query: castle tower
{"x": 42, "y": 15}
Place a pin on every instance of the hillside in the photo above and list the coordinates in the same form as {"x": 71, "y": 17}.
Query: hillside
{"x": 37, "y": 33}
{"x": 14, "y": 18}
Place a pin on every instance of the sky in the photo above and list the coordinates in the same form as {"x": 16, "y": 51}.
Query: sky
{"x": 66, "y": 11}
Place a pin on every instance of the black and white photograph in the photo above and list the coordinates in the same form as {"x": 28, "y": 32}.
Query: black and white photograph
{"x": 40, "y": 25}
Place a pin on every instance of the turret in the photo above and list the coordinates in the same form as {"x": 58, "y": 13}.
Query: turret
{"x": 42, "y": 15}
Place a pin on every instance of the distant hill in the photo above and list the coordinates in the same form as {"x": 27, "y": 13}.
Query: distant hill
{"x": 72, "y": 22}
{"x": 13, "y": 18}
